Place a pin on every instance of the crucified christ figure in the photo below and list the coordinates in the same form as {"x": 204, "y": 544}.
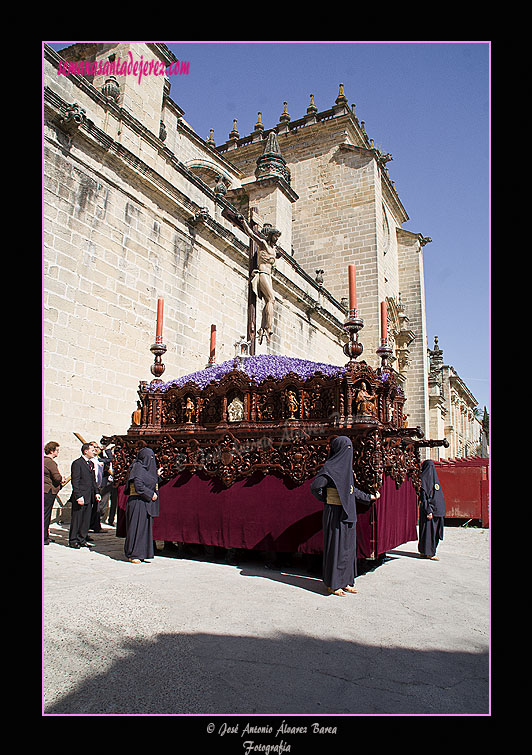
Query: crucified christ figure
{"x": 261, "y": 277}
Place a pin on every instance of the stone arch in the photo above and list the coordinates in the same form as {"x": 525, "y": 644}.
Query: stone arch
{"x": 208, "y": 172}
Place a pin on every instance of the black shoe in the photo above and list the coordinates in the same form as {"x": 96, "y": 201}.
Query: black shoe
{"x": 89, "y": 539}
{"x": 87, "y": 545}
{"x": 74, "y": 545}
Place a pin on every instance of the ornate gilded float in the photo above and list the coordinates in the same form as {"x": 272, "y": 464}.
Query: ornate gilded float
{"x": 274, "y": 415}
{"x": 239, "y": 442}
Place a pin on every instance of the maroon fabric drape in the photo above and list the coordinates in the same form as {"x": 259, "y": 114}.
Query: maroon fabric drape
{"x": 396, "y": 515}
{"x": 265, "y": 513}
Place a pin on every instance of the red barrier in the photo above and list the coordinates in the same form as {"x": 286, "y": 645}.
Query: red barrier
{"x": 465, "y": 485}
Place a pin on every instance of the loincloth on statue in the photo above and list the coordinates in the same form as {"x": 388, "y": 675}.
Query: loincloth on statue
{"x": 255, "y": 278}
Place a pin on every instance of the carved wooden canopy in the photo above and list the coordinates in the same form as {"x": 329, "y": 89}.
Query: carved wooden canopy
{"x": 239, "y": 423}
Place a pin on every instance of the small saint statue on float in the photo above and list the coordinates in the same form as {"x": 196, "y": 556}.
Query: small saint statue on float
{"x": 292, "y": 404}
{"x": 365, "y": 402}
{"x": 190, "y": 410}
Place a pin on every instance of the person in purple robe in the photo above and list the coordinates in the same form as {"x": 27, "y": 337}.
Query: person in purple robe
{"x": 334, "y": 486}
{"x": 142, "y": 505}
{"x": 431, "y": 511}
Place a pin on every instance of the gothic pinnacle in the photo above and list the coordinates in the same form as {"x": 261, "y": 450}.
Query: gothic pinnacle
{"x": 341, "y": 99}
{"x": 259, "y": 126}
{"x": 284, "y": 115}
{"x": 234, "y": 133}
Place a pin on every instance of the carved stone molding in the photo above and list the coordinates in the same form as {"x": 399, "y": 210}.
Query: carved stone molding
{"x": 74, "y": 116}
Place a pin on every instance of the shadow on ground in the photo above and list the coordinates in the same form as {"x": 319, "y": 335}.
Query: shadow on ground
{"x": 288, "y": 674}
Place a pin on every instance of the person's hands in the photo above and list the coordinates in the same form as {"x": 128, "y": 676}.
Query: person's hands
{"x": 154, "y": 497}
{"x": 429, "y": 516}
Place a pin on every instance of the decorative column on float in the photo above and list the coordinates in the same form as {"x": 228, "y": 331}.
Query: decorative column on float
{"x": 353, "y": 323}
{"x": 353, "y": 348}
{"x": 384, "y": 350}
{"x": 158, "y": 348}
{"x": 152, "y": 402}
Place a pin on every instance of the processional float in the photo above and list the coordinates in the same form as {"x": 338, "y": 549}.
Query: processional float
{"x": 239, "y": 443}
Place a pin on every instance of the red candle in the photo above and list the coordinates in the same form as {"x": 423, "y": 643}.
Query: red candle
{"x": 213, "y": 342}
{"x": 159, "y": 331}
{"x": 384, "y": 320}
{"x": 352, "y": 287}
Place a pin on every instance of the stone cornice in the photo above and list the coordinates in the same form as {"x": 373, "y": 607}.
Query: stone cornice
{"x": 162, "y": 51}
{"x": 326, "y": 115}
{"x": 411, "y": 236}
{"x": 461, "y": 388}
{"x": 273, "y": 181}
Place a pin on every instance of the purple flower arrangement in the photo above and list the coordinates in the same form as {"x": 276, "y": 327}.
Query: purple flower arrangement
{"x": 260, "y": 368}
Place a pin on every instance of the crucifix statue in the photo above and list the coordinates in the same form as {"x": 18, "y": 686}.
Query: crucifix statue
{"x": 263, "y": 254}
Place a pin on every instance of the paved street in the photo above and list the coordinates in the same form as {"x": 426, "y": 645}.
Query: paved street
{"x": 200, "y": 636}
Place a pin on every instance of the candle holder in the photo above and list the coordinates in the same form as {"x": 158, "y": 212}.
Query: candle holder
{"x": 157, "y": 368}
{"x": 385, "y": 352}
{"x": 352, "y": 324}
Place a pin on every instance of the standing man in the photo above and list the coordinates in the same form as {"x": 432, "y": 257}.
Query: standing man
{"x": 109, "y": 491}
{"x": 84, "y": 491}
{"x": 99, "y": 470}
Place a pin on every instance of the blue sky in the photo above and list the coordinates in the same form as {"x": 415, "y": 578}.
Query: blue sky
{"x": 428, "y": 104}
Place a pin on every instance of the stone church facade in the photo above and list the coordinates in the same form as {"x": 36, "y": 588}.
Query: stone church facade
{"x": 452, "y": 412}
{"x": 133, "y": 211}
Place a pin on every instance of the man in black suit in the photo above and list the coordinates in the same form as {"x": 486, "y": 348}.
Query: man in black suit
{"x": 84, "y": 491}
{"x": 108, "y": 490}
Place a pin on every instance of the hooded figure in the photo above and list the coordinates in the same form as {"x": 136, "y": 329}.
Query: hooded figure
{"x": 334, "y": 486}
{"x": 142, "y": 505}
{"x": 431, "y": 511}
